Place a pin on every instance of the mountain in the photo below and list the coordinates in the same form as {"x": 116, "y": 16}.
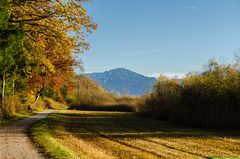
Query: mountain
{"x": 123, "y": 81}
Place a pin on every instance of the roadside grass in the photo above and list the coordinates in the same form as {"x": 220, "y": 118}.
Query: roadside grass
{"x": 14, "y": 118}
{"x": 4, "y": 122}
{"x": 40, "y": 105}
{"x": 48, "y": 143}
{"x": 108, "y": 135}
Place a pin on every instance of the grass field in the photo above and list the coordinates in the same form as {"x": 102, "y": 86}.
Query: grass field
{"x": 105, "y": 135}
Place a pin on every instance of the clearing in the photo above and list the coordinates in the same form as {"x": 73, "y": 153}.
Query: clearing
{"x": 91, "y": 134}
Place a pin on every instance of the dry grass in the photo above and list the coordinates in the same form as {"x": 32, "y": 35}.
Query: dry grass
{"x": 52, "y": 104}
{"x": 112, "y": 135}
{"x": 89, "y": 95}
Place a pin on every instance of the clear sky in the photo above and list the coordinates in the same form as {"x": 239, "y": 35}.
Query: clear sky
{"x": 170, "y": 37}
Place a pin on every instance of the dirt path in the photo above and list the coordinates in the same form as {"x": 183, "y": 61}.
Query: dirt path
{"x": 14, "y": 140}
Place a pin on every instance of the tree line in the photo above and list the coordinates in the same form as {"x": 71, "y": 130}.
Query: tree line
{"x": 209, "y": 99}
{"x": 87, "y": 94}
{"x": 39, "y": 40}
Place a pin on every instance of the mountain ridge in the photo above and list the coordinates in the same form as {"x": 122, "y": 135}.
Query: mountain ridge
{"x": 123, "y": 81}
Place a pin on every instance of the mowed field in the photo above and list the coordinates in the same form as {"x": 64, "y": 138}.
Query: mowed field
{"x": 105, "y": 135}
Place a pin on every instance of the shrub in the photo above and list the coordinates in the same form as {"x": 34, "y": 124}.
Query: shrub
{"x": 159, "y": 104}
{"x": 209, "y": 99}
{"x": 52, "y": 104}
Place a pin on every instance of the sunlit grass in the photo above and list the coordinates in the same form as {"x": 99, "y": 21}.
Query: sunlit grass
{"x": 48, "y": 143}
{"x": 92, "y": 134}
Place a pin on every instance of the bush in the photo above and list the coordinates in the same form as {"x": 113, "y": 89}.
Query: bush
{"x": 209, "y": 99}
{"x": 12, "y": 106}
{"x": 52, "y": 104}
{"x": 165, "y": 96}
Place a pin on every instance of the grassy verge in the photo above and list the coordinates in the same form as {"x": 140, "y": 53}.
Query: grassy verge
{"x": 16, "y": 117}
{"x": 50, "y": 146}
{"x": 4, "y": 122}
{"x": 107, "y": 135}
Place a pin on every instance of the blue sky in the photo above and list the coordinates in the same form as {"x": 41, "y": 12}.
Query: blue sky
{"x": 171, "y": 37}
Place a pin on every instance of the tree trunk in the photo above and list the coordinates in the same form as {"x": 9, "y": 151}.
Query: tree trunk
{"x": 78, "y": 91}
{"x": 3, "y": 87}
{"x": 3, "y": 93}
{"x": 13, "y": 86}
{"x": 36, "y": 99}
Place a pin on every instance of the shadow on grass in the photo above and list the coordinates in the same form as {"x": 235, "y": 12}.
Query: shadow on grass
{"x": 119, "y": 108}
{"x": 129, "y": 125}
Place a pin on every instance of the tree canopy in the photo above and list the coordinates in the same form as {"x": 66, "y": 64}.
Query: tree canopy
{"x": 39, "y": 40}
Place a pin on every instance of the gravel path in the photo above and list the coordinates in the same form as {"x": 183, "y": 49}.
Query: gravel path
{"x": 15, "y": 142}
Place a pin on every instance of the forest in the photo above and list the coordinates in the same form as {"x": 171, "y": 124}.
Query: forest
{"x": 40, "y": 41}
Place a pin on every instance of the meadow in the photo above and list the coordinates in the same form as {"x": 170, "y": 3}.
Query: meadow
{"x": 99, "y": 134}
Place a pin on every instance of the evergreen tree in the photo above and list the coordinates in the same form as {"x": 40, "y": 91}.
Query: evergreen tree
{"x": 10, "y": 44}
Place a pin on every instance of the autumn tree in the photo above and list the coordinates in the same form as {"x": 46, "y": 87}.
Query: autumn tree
{"x": 206, "y": 99}
{"x": 55, "y": 31}
{"x": 40, "y": 40}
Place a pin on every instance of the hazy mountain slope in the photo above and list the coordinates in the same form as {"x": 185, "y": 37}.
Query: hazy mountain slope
{"x": 124, "y": 81}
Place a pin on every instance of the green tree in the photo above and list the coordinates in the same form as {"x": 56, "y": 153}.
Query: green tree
{"x": 10, "y": 45}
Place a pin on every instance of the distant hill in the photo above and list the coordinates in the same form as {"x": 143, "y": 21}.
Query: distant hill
{"x": 124, "y": 81}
